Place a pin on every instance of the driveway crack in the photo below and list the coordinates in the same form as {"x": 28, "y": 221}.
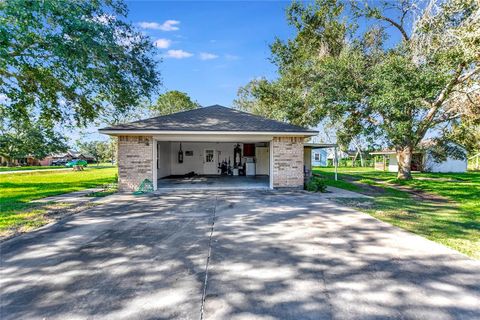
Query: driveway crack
{"x": 204, "y": 294}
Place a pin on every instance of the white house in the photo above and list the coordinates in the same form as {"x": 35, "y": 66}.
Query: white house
{"x": 422, "y": 160}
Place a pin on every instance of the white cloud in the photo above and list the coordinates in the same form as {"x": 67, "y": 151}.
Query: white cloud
{"x": 178, "y": 54}
{"x": 162, "y": 43}
{"x": 231, "y": 57}
{"x": 168, "y": 25}
{"x": 207, "y": 56}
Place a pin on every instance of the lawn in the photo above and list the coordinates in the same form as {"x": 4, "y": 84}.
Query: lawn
{"x": 442, "y": 207}
{"x": 28, "y": 168}
{"x": 18, "y": 190}
{"x": 2, "y": 169}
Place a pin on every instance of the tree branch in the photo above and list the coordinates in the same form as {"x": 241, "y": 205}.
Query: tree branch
{"x": 425, "y": 124}
{"x": 468, "y": 75}
{"x": 396, "y": 25}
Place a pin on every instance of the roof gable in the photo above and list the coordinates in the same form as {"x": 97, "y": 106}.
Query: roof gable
{"x": 212, "y": 118}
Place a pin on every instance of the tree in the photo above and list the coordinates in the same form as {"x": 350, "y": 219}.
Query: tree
{"x": 34, "y": 140}
{"x": 91, "y": 148}
{"x": 259, "y": 97}
{"x": 66, "y": 62}
{"x": 171, "y": 102}
{"x": 99, "y": 150}
{"x": 396, "y": 94}
{"x": 466, "y": 134}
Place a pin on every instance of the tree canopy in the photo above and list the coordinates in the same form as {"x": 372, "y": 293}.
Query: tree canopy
{"x": 34, "y": 140}
{"x": 67, "y": 62}
{"x": 99, "y": 150}
{"x": 171, "y": 102}
{"x": 391, "y": 94}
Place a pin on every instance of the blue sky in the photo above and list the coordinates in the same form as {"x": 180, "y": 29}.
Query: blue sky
{"x": 216, "y": 47}
{"x": 210, "y": 49}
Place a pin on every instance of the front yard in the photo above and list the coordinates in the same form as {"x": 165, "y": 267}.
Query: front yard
{"x": 441, "y": 207}
{"x": 18, "y": 190}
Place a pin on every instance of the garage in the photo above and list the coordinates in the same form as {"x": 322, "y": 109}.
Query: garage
{"x": 211, "y": 147}
{"x": 212, "y": 165}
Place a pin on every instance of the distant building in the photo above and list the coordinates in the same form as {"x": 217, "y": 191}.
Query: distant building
{"x": 319, "y": 157}
{"x": 422, "y": 160}
{"x": 66, "y": 156}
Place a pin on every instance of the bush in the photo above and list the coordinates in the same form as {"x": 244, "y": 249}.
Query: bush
{"x": 316, "y": 184}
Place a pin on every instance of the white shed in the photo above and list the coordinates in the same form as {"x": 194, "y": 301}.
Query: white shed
{"x": 422, "y": 160}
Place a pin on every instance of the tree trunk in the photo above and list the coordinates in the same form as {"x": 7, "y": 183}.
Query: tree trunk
{"x": 404, "y": 159}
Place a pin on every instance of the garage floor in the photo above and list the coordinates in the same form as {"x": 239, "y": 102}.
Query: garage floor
{"x": 232, "y": 255}
{"x": 215, "y": 182}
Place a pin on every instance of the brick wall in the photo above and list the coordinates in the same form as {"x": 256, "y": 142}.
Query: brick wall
{"x": 287, "y": 162}
{"x": 134, "y": 161}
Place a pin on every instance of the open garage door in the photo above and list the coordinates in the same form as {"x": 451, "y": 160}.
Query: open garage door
{"x": 212, "y": 165}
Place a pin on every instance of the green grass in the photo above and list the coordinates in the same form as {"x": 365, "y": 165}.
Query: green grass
{"x": 28, "y": 168}
{"x": 18, "y": 190}
{"x": 2, "y": 169}
{"x": 454, "y": 222}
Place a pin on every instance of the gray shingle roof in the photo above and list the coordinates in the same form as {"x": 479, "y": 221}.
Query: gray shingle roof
{"x": 212, "y": 118}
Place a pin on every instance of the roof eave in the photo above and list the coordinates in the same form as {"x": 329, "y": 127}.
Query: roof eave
{"x": 117, "y": 132}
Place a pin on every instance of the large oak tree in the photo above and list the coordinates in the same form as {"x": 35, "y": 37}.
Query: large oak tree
{"x": 393, "y": 94}
{"x": 67, "y": 62}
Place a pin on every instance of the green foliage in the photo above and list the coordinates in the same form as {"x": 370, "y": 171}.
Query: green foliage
{"x": 69, "y": 61}
{"x": 171, "y": 102}
{"x": 260, "y": 97}
{"x": 100, "y": 150}
{"x": 466, "y": 134}
{"x": 34, "y": 140}
{"x": 390, "y": 95}
{"x": 316, "y": 184}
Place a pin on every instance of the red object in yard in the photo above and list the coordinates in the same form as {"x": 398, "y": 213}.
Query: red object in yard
{"x": 249, "y": 150}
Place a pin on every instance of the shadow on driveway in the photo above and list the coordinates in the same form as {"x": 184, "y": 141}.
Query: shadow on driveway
{"x": 274, "y": 255}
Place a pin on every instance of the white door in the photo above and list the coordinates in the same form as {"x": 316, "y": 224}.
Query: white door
{"x": 263, "y": 160}
{"x": 209, "y": 162}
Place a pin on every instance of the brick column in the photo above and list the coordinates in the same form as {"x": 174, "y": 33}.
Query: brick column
{"x": 287, "y": 162}
{"x": 135, "y": 161}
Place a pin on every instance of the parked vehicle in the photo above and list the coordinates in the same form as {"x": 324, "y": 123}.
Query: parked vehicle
{"x": 60, "y": 162}
{"x": 73, "y": 163}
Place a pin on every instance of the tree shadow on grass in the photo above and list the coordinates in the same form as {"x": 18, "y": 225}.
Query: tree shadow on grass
{"x": 274, "y": 255}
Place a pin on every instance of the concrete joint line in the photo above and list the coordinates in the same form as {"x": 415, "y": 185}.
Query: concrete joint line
{"x": 204, "y": 294}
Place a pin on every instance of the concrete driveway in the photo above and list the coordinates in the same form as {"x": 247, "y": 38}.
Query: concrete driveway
{"x": 236, "y": 255}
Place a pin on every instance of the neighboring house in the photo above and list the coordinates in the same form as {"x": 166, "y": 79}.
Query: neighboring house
{"x": 27, "y": 161}
{"x": 205, "y": 140}
{"x": 66, "y": 156}
{"x": 422, "y": 160}
{"x": 319, "y": 157}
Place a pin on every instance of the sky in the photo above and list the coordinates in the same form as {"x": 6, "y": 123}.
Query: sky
{"x": 209, "y": 49}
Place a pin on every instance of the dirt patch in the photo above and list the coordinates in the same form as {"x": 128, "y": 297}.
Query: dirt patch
{"x": 53, "y": 212}
{"x": 416, "y": 194}
{"x": 419, "y": 194}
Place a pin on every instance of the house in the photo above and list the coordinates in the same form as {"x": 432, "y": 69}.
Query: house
{"x": 319, "y": 157}
{"x": 66, "y": 156}
{"x": 208, "y": 143}
{"x": 422, "y": 160}
{"x": 27, "y": 161}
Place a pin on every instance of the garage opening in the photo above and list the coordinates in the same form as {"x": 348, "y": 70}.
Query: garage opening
{"x": 212, "y": 165}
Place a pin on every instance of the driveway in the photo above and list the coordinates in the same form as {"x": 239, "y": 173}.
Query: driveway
{"x": 268, "y": 255}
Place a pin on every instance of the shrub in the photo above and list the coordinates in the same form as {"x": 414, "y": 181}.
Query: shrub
{"x": 316, "y": 184}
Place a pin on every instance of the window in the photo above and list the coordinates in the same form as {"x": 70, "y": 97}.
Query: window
{"x": 209, "y": 155}
{"x": 317, "y": 156}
